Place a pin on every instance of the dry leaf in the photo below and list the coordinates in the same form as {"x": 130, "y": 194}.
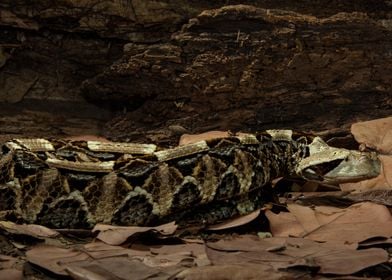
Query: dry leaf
{"x": 87, "y": 137}
{"x": 224, "y": 272}
{"x": 350, "y": 261}
{"x": 376, "y": 134}
{"x": 81, "y": 273}
{"x": 99, "y": 250}
{"x": 236, "y": 222}
{"x": 192, "y": 138}
{"x": 284, "y": 224}
{"x": 170, "y": 255}
{"x": 7, "y": 262}
{"x": 36, "y": 231}
{"x": 113, "y": 268}
{"x": 246, "y": 243}
{"x": 116, "y": 235}
{"x": 55, "y": 259}
{"x": 59, "y": 260}
{"x": 294, "y": 252}
{"x": 346, "y": 226}
{"x": 11, "y": 274}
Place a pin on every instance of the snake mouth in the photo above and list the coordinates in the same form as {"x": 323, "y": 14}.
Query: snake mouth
{"x": 319, "y": 172}
{"x": 355, "y": 167}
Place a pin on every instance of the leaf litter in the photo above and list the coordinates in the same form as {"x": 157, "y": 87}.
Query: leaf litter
{"x": 316, "y": 234}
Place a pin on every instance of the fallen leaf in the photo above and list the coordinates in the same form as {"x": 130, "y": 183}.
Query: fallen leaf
{"x": 116, "y": 235}
{"x": 11, "y": 274}
{"x": 170, "y": 255}
{"x": 236, "y": 222}
{"x": 192, "y": 138}
{"x": 376, "y": 134}
{"x": 81, "y": 273}
{"x": 346, "y": 226}
{"x": 245, "y": 243}
{"x": 87, "y": 137}
{"x": 312, "y": 219}
{"x": 330, "y": 258}
{"x": 36, "y": 231}
{"x": 113, "y": 268}
{"x": 283, "y": 224}
{"x": 243, "y": 271}
{"x": 55, "y": 259}
{"x": 350, "y": 261}
{"x": 99, "y": 250}
{"x": 7, "y": 262}
{"x": 96, "y": 259}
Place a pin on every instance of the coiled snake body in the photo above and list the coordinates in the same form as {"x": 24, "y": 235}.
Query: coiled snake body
{"x": 75, "y": 184}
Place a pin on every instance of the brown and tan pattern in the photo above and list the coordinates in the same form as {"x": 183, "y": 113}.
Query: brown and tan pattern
{"x": 62, "y": 183}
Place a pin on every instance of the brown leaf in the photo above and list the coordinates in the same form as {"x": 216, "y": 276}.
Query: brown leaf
{"x": 36, "y": 231}
{"x": 376, "y": 134}
{"x": 192, "y": 138}
{"x": 99, "y": 250}
{"x": 245, "y": 243}
{"x": 115, "y": 262}
{"x": 116, "y": 235}
{"x": 346, "y": 226}
{"x": 58, "y": 260}
{"x": 81, "y": 273}
{"x": 236, "y": 222}
{"x": 55, "y": 259}
{"x": 350, "y": 261}
{"x": 284, "y": 224}
{"x": 87, "y": 137}
{"x": 113, "y": 268}
{"x": 11, "y": 274}
{"x": 171, "y": 255}
{"x": 294, "y": 252}
{"x": 7, "y": 262}
{"x": 224, "y": 272}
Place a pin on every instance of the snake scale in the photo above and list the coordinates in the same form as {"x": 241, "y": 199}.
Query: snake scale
{"x": 76, "y": 184}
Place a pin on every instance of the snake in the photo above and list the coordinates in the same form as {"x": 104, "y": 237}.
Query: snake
{"x": 77, "y": 184}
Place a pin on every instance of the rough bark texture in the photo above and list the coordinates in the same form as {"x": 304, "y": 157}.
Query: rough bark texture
{"x": 151, "y": 70}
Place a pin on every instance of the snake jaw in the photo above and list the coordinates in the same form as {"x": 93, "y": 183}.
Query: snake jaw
{"x": 356, "y": 167}
{"x": 335, "y": 165}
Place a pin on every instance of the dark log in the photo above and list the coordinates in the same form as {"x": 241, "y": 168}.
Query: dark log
{"x": 133, "y": 70}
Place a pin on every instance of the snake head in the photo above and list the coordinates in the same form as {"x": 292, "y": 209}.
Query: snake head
{"x": 336, "y": 165}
